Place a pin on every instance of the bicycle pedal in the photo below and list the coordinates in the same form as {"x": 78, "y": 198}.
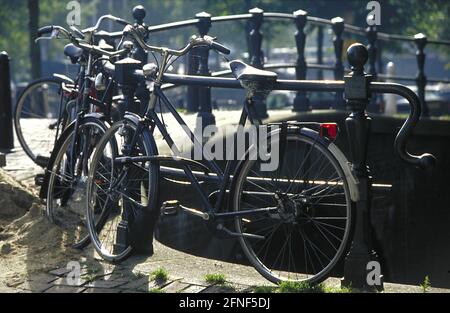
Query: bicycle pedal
{"x": 170, "y": 207}
{"x": 39, "y": 180}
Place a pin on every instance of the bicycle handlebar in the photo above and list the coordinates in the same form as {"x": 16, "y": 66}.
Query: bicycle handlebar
{"x": 195, "y": 41}
{"x": 101, "y": 19}
{"x": 44, "y": 30}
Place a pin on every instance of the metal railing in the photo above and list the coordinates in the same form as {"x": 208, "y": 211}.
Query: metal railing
{"x": 199, "y": 98}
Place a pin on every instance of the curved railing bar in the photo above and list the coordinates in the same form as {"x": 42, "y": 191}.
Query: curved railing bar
{"x": 423, "y": 161}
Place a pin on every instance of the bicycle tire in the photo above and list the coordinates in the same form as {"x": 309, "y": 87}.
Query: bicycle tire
{"x": 112, "y": 212}
{"x": 59, "y": 196}
{"x": 294, "y": 217}
{"x": 19, "y": 110}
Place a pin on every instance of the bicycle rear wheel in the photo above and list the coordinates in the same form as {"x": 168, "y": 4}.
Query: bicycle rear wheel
{"x": 119, "y": 194}
{"x": 308, "y": 228}
{"x": 37, "y": 113}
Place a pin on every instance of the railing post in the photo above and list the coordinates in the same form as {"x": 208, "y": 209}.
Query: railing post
{"x": 139, "y": 14}
{"x": 338, "y": 42}
{"x": 358, "y": 129}
{"x": 319, "y": 51}
{"x": 142, "y": 93}
{"x": 256, "y": 37}
{"x": 192, "y": 91}
{"x": 301, "y": 101}
{"x": 421, "y": 79}
{"x": 6, "y": 126}
{"x": 256, "y": 55}
{"x": 204, "y": 93}
{"x": 372, "y": 37}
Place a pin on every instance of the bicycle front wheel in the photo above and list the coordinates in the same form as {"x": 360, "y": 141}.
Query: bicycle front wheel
{"x": 68, "y": 173}
{"x": 120, "y": 194}
{"x": 306, "y": 227}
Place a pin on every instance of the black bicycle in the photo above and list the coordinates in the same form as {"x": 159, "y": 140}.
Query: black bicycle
{"x": 63, "y": 185}
{"x": 293, "y": 220}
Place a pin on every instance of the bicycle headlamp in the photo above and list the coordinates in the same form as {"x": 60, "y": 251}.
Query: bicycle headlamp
{"x": 100, "y": 83}
{"x": 150, "y": 70}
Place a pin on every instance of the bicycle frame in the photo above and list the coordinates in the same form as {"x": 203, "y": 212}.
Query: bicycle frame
{"x": 152, "y": 120}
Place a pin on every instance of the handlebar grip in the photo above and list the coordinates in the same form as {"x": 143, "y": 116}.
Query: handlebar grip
{"x": 44, "y": 30}
{"x": 222, "y": 49}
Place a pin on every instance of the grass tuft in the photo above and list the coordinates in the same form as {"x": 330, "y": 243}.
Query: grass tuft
{"x": 160, "y": 274}
{"x": 218, "y": 279}
{"x": 264, "y": 289}
{"x": 425, "y": 286}
{"x": 300, "y": 287}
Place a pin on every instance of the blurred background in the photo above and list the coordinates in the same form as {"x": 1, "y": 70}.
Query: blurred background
{"x": 19, "y": 18}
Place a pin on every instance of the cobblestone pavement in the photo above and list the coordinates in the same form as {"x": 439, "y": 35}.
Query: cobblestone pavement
{"x": 186, "y": 272}
{"x": 134, "y": 276}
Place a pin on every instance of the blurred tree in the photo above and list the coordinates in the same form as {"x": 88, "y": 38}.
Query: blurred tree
{"x": 397, "y": 16}
{"x": 33, "y": 26}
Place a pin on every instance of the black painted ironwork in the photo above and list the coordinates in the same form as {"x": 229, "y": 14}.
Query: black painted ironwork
{"x": 372, "y": 36}
{"x": 202, "y": 53}
{"x": 256, "y": 55}
{"x": 142, "y": 93}
{"x": 421, "y": 79}
{"x": 301, "y": 101}
{"x": 6, "y": 125}
{"x": 338, "y": 43}
{"x": 320, "y": 50}
{"x": 357, "y": 95}
{"x": 257, "y": 15}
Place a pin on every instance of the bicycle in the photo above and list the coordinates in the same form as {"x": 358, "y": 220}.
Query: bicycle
{"x": 64, "y": 177}
{"x": 267, "y": 205}
{"x": 46, "y": 105}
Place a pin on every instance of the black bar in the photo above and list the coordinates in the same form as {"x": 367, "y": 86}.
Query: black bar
{"x": 421, "y": 79}
{"x": 281, "y": 84}
{"x": 357, "y": 95}
{"x": 257, "y": 56}
{"x": 320, "y": 51}
{"x": 6, "y": 125}
{"x": 202, "y": 52}
{"x": 301, "y": 101}
{"x": 338, "y": 43}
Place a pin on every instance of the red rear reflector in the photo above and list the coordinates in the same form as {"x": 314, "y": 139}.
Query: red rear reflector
{"x": 329, "y": 130}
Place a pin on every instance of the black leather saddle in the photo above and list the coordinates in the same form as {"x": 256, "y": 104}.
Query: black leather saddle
{"x": 73, "y": 52}
{"x": 252, "y": 78}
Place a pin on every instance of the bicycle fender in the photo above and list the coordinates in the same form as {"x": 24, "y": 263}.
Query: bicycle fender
{"x": 64, "y": 78}
{"x": 340, "y": 157}
{"x": 337, "y": 153}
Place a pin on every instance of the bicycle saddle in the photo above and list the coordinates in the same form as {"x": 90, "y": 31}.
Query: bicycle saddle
{"x": 73, "y": 51}
{"x": 254, "y": 80}
{"x": 244, "y": 71}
